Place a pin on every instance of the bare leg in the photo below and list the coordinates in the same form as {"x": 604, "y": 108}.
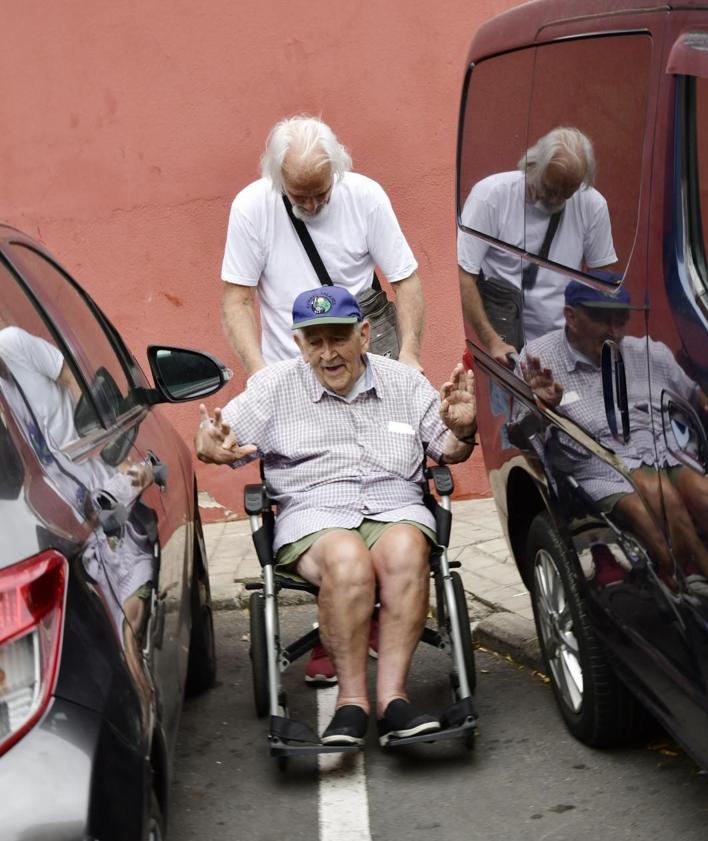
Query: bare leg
{"x": 400, "y": 558}
{"x": 341, "y": 565}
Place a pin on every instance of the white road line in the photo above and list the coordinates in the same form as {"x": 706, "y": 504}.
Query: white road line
{"x": 344, "y": 804}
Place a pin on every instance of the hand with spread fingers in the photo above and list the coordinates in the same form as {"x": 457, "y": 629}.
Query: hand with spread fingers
{"x": 458, "y": 408}
{"x": 215, "y": 443}
{"x": 541, "y": 381}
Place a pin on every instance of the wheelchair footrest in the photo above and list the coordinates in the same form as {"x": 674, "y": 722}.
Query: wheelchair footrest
{"x": 457, "y": 721}
{"x": 288, "y": 737}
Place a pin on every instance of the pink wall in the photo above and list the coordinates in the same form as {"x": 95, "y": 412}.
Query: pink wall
{"x": 128, "y": 128}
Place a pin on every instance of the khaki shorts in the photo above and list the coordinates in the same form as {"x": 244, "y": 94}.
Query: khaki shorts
{"x": 369, "y": 531}
{"x": 607, "y": 503}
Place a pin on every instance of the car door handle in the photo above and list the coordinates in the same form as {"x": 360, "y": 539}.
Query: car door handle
{"x": 159, "y": 470}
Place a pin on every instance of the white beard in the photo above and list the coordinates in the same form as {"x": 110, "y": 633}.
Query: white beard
{"x": 304, "y": 216}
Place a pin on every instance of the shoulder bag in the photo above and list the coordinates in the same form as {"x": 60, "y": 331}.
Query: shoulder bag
{"x": 504, "y": 303}
{"x": 375, "y": 306}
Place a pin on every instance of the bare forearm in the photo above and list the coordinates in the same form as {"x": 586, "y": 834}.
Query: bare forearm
{"x": 473, "y": 308}
{"x": 239, "y": 319}
{"x": 411, "y": 313}
{"x": 455, "y": 451}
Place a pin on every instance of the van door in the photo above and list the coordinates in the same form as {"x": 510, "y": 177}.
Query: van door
{"x": 681, "y": 403}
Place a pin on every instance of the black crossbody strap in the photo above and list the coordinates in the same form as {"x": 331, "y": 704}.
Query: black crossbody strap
{"x": 550, "y": 233}
{"x": 311, "y": 248}
{"x": 308, "y": 244}
{"x": 530, "y": 272}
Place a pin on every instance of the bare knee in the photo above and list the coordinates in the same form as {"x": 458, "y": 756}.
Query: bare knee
{"x": 341, "y": 560}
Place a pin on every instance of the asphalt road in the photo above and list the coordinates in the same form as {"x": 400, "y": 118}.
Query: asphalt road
{"x": 525, "y": 778}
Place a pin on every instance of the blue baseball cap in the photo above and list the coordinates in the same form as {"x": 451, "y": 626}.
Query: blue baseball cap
{"x": 325, "y": 305}
{"x": 579, "y": 295}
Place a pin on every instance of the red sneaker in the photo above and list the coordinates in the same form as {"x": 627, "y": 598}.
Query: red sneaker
{"x": 320, "y": 668}
{"x": 607, "y": 570}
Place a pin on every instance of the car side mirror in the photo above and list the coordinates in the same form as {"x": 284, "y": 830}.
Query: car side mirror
{"x": 181, "y": 374}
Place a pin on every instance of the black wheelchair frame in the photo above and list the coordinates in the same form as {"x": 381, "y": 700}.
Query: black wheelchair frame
{"x": 269, "y": 658}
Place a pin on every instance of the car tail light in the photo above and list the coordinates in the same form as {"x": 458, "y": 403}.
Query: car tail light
{"x": 31, "y": 619}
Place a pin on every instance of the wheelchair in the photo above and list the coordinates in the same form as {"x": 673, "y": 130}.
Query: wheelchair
{"x": 270, "y": 657}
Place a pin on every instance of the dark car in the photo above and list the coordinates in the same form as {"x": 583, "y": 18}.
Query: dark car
{"x": 592, "y": 364}
{"x": 105, "y": 612}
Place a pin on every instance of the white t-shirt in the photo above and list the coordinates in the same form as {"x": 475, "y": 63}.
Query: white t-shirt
{"x": 356, "y": 231}
{"x": 36, "y": 365}
{"x": 497, "y": 206}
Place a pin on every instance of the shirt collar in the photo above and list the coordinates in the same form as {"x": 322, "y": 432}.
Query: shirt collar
{"x": 574, "y": 358}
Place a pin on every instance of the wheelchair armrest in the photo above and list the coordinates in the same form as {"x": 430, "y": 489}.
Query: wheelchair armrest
{"x": 442, "y": 479}
{"x": 255, "y": 499}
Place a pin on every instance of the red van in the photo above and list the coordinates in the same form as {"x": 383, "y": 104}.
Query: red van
{"x": 582, "y": 209}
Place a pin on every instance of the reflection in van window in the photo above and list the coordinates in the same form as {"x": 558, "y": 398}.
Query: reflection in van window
{"x": 699, "y": 211}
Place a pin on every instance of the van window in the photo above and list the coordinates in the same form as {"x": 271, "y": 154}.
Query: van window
{"x": 598, "y": 88}
{"x": 698, "y": 207}
{"x": 493, "y": 131}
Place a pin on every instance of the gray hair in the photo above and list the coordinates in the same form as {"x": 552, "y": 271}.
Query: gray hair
{"x": 313, "y": 140}
{"x": 564, "y": 145}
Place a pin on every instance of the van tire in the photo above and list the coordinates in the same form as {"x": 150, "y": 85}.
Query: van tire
{"x": 595, "y": 705}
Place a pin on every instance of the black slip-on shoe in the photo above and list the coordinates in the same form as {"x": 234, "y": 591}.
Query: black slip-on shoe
{"x": 402, "y": 719}
{"x": 347, "y": 727}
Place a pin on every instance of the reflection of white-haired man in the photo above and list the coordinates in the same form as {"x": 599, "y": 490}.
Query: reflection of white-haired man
{"x": 352, "y": 225}
{"x": 555, "y": 175}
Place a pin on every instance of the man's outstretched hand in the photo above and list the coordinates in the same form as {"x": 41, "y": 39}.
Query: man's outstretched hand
{"x": 215, "y": 443}
{"x": 458, "y": 408}
{"x": 541, "y": 381}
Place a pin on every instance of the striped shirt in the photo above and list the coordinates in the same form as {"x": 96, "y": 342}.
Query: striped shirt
{"x": 329, "y": 463}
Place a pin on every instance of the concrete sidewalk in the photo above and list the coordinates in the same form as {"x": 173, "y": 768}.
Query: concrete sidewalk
{"x": 500, "y": 608}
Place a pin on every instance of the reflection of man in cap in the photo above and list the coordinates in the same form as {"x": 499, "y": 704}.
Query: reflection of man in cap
{"x": 341, "y": 436}
{"x": 563, "y": 369}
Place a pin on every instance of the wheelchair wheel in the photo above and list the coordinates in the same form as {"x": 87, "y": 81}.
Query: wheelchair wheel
{"x": 465, "y": 633}
{"x": 258, "y": 653}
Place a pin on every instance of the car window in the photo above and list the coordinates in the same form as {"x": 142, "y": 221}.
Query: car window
{"x": 84, "y": 335}
{"x": 598, "y": 88}
{"x": 32, "y": 353}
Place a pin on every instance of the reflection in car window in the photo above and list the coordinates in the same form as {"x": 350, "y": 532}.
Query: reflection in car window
{"x": 38, "y": 366}
{"x": 698, "y": 201}
{"x": 79, "y": 327}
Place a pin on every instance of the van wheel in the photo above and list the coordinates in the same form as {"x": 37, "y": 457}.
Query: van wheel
{"x": 201, "y": 669}
{"x": 596, "y": 707}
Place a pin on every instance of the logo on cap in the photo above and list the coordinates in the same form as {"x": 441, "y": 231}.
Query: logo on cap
{"x": 320, "y": 304}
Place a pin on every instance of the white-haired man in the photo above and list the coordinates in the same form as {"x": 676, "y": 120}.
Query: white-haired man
{"x": 351, "y": 222}
{"x": 555, "y": 175}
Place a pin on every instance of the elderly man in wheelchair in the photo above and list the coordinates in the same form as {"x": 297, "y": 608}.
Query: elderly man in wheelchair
{"x": 341, "y": 434}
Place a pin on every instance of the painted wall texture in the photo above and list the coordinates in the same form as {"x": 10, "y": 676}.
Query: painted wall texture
{"x": 128, "y": 128}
